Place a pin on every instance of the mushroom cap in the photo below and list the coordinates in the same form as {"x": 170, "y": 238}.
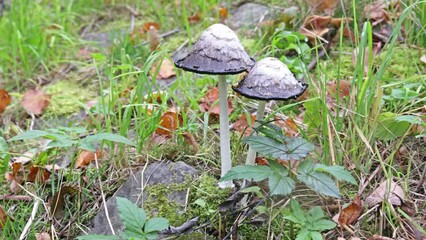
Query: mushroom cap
{"x": 217, "y": 51}
{"x": 270, "y": 79}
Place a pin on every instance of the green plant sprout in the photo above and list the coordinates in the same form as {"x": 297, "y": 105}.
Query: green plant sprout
{"x": 136, "y": 224}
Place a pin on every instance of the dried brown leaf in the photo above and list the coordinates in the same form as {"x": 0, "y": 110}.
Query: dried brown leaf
{"x": 3, "y": 217}
{"x": 169, "y": 122}
{"x": 35, "y": 101}
{"x": 58, "y": 200}
{"x": 351, "y": 213}
{"x": 42, "y": 236}
{"x": 388, "y": 190}
{"x": 194, "y": 18}
{"x": 242, "y": 126}
{"x": 209, "y": 103}
{"x": 323, "y": 6}
{"x": 4, "y": 100}
{"x": 85, "y": 157}
{"x": 166, "y": 71}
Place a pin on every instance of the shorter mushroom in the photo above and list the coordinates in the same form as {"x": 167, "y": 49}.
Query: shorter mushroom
{"x": 269, "y": 79}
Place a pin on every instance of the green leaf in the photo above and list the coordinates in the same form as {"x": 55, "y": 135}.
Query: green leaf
{"x": 316, "y": 235}
{"x": 109, "y": 137}
{"x": 279, "y": 182}
{"x": 318, "y": 181}
{"x": 388, "y": 128}
{"x": 4, "y": 153}
{"x": 297, "y": 211}
{"x": 303, "y": 234}
{"x": 314, "y": 214}
{"x": 321, "y": 225}
{"x": 257, "y": 173}
{"x": 339, "y": 172}
{"x": 410, "y": 119}
{"x": 27, "y": 135}
{"x": 295, "y": 149}
{"x": 253, "y": 189}
{"x": 156, "y": 225}
{"x": 272, "y": 131}
{"x": 133, "y": 217}
{"x": 98, "y": 237}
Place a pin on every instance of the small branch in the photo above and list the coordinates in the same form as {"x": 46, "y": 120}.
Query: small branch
{"x": 182, "y": 228}
{"x": 16, "y": 198}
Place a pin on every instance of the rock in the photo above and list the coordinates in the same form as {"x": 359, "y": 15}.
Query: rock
{"x": 156, "y": 173}
{"x": 250, "y": 15}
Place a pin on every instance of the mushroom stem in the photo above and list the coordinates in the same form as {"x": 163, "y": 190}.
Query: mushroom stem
{"x": 251, "y": 155}
{"x": 225, "y": 146}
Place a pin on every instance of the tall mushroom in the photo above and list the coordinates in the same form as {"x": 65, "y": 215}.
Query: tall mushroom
{"x": 218, "y": 51}
{"x": 269, "y": 79}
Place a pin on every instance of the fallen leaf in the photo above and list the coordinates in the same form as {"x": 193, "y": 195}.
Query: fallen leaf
{"x": 209, "y": 103}
{"x": 261, "y": 161}
{"x": 325, "y": 6}
{"x": 318, "y": 26}
{"x": 242, "y": 125}
{"x": 194, "y": 18}
{"x": 157, "y": 139}
{"x": 343, "y": 85}
{"x": 42, "y": 236}
{"x": 382, "y": 10}
{"x": 169, "y": 122}
{"x": 351, "y": 213}
{"x": 378, "y": 237}
{"x": 289, "y": 126}
{"x": 38, "y": 174}
{"x": 166, "y": 71}
{"x": 4, "y": 100}
{"x": 85, "y": 157}
{"x": 423, "y": 59}
{"x": 3, "y": 217}
{"x": 58, "y": 200}
{"x": 223, "y": 13}
{"x": 392, "y": 191}
{"x": 35, "y": 101}
{"x": 25, "y": 158}
{"x": 190, "y": 139}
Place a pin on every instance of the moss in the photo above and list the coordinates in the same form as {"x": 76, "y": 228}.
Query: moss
{"x": 67, "y": 97}
{"x": 404, "y": 62}
{"x": 331, "y": 66}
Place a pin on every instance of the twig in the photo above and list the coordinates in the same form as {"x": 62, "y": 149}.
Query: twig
{"x": 16, "y": 198}
{"x": 32, "y": 121}
{"x": 182, "y": 228}
{"x": 103, "y": 196}
{"x": 30, "y": 221}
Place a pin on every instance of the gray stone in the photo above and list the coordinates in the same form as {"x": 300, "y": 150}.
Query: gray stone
{"x": 250, "y": 15}
{"x": 132, "y": 189}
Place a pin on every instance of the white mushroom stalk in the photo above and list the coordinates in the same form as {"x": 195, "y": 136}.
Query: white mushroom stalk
{"x": 269, "y": 79}
{"x": 218, "y": 51}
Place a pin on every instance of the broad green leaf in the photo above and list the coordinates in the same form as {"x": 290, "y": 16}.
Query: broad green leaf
{"x": 339, "y": 172}
{"x": 315, "y": 235}
{"x": 388, "y": 128}
{"x": 98, "y": 237}
{"x": 133, "y": 217}
{"x": 410, "y": 119}
{"x": 312, "y": 114}
{"x": 156, "y": 225}
{"x": 321, "y": 225}
{"x": 152, "y": 236}
{"x": 253, "y": 189}
{"x": 318, "y": 181}
{"x": 303, "y": 234}
{"x": 4, "y": 151}
{"x": 279, "y": 182}
{"x": 257, "y": 173}
{"x": 86, "y": 145}
{"x": 200, "y": 202}
{"x": 315, "y": 214}
{"x": 109, "y": 137}
{"x": 297, "y": 211}
{"x": 32, "y": 134}
{"x": 294, "y": 149}
{"x": 273, "y": 132}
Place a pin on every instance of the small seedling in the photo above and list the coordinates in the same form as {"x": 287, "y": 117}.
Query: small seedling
{"x": 311, "y": 223}
{"x": 136, "y": 224}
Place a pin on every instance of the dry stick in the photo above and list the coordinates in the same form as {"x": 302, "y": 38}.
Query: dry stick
{"x": 182, "y": 228}
{"x": 30, "y": 221}
{"x": 103, "y": 196}
{"x": 15, "y": 198}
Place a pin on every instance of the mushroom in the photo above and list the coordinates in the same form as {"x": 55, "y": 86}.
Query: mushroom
{"x": 218, "y": 51}
{"x": 269, "y": 79}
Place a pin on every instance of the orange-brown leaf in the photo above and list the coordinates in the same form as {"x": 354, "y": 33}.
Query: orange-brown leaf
{"x": 166, "y": 71}
{"x": 223, "y": 13}
{"x": 261, "y": 161}
{"x": 326, "y": 6}
{"x": 35, "y": 101}
{"x": 169, "y": 122}
{"x": 194, "y": 18}
{"x": 351, "y": 213}
{"x": 3, "y": 217}
{"x": 208, "y": 102}
{"x": 4, "y": 100}
{"x": 242, "y": 125}
{"x": 344, "y": 88}
{"x": 149, "y": 25}
{"x": 38, "y": 174}
{"x": 85, "y": 157}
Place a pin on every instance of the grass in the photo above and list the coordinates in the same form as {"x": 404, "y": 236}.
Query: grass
{"x": 39, "y": 38}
